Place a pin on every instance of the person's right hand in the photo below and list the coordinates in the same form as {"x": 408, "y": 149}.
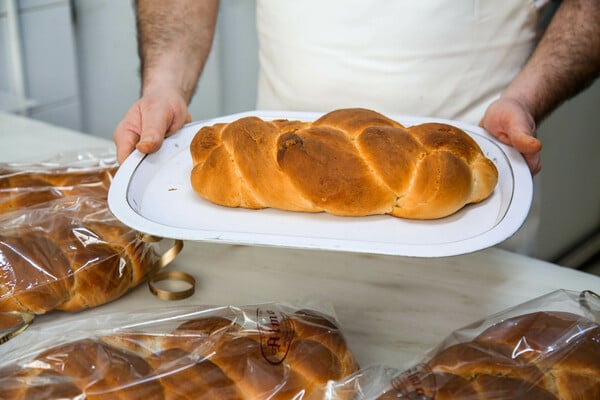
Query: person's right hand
{"x": 156, "y": 115}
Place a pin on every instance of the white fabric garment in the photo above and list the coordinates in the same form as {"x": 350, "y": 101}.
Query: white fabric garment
{"x": 432, "y": 58}
{"x": 435, "y": 58}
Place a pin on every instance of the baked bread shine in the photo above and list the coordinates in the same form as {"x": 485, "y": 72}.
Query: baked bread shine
{"x": 546, "y": 355}
{"x": 60, "y": 246}
{"x": 20, "y": 188}
{"x": 205, "y": 358}
{"x": 349, "y": 162}
{"x": 69, "y": 254}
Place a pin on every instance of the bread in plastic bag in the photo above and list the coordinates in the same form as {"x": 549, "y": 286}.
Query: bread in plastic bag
{"x": 69, "y": 254}
{"x": 81, "y": 173}
{"x": 60, "y": 245}
{"x": 547, "y": 348}
{"x": 265, "y": 351}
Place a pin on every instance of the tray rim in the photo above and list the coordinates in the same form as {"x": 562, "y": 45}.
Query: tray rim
{"x": 513, "y": 219}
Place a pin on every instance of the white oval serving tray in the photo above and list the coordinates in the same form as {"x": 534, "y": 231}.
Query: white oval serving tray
{"x": 152, "y": 194}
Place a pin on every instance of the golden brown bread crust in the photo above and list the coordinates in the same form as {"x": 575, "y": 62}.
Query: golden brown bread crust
{"x": 18, "y": 383}
{"x": 61, "y": 246}
{"x": 210, "y": 358}
{"x": 22, "y": 188}
{"x": 541, "y": 355}
{"x": 349, "y": 162}
{"x": 69, "y": 254}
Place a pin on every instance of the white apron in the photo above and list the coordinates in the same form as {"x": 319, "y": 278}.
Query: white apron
{"x": 432, "y": 58}
{"x": 439, "y": 58}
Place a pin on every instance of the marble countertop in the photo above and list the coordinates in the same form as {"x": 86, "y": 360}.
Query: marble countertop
{"x": 27, "y": 139}
{"x": 392, "y": 309}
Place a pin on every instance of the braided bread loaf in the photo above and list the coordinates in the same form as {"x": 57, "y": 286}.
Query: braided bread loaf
{"x": 20, "y": 188}
{"x": 60, "y": 246}
{"x": 68, "y": 254}
{"x": 541, "y": 355}
{"x": 214, "y": 357}
{"x": 349, "y": 162}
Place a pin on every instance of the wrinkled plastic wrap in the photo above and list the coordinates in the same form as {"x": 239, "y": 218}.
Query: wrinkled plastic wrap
{"x": 81, "y": 173}
{"x": 265, "y": 351}
{"x": 544, "y": 349}
{"x": 68, "y": 254}
{"x": 60, "y": 246}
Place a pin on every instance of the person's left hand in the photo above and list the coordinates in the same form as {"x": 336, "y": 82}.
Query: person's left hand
{"x": 512, "y": 123}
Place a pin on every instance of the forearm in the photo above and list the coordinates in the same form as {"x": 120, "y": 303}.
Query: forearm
{"x": 566, "y": 60}
{"x": 174, "y": 40}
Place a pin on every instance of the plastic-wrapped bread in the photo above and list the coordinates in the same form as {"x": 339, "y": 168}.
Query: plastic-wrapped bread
{"x": 545, "y": 349}
{"x": 543, "y": 355}
{"x": 21, "y": 188}
{"x": 60, "y": 246}
{"x": 69, "y": 254}
{"x": 267, "y": 352}
{"x": 349, "y": 162}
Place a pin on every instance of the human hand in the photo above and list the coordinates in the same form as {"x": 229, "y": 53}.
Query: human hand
{"x": 156, "y": 115}
{"x": 512, "y": 123}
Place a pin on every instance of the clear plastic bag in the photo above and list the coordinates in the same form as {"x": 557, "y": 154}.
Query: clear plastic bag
{"x": 265, "y": 351}
{"x": 547, "y": 348}
{"x": 69, "y": 254}
{"x": 81, "y": 173}
{"x": 61, "y": 248}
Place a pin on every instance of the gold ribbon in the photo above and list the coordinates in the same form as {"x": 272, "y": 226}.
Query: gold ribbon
{"x": 26, "y": 320}
{"x": 144, "y": 237}
{"x": 167, "y": 257}
{"x": 172, "y": 295}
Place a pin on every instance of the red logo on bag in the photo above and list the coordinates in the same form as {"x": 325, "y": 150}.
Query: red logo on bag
{"x": 276, "y": 334}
